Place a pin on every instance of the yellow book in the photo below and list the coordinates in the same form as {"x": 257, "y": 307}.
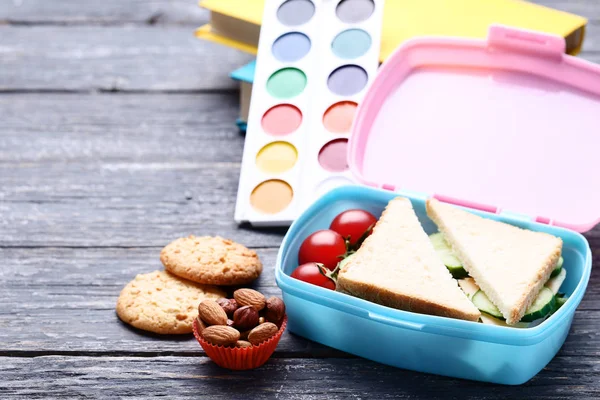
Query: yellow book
{"x": 236, "y": 23}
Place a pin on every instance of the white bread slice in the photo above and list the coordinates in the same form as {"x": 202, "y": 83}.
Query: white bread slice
{"x": 468, "y": 286}
{"x": 397, "y": 266}
{"x": 510, "y": 264}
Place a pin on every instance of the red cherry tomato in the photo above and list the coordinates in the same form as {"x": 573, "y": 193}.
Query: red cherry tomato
{"x": 353, "y": 224}
{"x": 309, "y": 272}
{"x": 324, "y": 246}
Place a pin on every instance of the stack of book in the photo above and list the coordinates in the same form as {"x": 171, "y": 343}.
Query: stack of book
{"x": 236, "y": 23}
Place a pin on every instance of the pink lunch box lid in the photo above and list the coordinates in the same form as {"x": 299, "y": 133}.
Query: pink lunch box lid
{"x": 508, "y": 123}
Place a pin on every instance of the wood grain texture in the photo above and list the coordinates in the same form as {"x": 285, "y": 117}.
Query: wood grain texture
{"x": 113, "y": 58}
{"x": 584, "y": 8}
{"x": 106, "y": 11}
{"x": 117, "y": 129}
{"x": 63, "y": 300}
{"x": 131, "y": 170}
{"x": 300, "y": 378}
{"x": 92, "y": 185}
{"x": 121, "y": 204}
{"x": 70, "y": 303}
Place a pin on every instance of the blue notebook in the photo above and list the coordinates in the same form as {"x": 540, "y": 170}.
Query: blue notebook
{"x": 244, "y": 75}
{"x": 241, "y": 124}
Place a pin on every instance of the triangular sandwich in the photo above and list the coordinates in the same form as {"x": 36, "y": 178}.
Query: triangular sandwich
{"x": 397, "y": 266}
{"x": 509, "y": 264}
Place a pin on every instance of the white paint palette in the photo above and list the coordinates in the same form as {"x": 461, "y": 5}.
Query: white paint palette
{"x": 315, "y": 60}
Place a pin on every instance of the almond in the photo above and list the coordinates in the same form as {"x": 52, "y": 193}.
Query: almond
{"x": 262, "y": 332}
{"x": 243, "y": 343}
{"x": 212, "y": 313}
{"x": 201, "y": 325}
{"x": 221, "y": 335}
{"x": 249, "y": 297}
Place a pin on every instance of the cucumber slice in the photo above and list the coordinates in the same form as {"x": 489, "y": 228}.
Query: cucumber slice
{"x": 560, "y": 301}
{"x": 468, "y": 286}
{"x": 558, "y": 268}
{"x": 484, "y": 304}
{"x": 543, "y": 304}
{"x": 447, "y": 256}
{"x": 555, "y": 283}
{"x": 489, "y": 320}
{"x": 345, "y": 260}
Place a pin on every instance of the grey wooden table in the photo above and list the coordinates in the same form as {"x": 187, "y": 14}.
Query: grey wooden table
{"x": 117, "y": 136}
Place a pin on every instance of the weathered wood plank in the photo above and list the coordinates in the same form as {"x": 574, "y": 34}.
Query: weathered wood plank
{"x": 300, "y": 378}
{"x": 585, "y": 8}
{"x": 114, "y": 170}
{"x": 113, "y": 58}
{"x": 104, "y": 128}
{"x": 106, "y": 11}
{"x": 121, "y": 204}
{"x": 63, "y": 300}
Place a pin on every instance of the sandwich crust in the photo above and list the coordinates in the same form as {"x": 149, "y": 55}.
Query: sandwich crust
{"x": 383, "y": 296}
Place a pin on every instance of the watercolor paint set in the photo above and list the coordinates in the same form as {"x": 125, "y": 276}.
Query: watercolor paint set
{"x": 315, "y": 61}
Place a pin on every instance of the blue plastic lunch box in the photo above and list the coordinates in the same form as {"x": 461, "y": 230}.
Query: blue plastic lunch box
{"x": 419, "y": 342}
